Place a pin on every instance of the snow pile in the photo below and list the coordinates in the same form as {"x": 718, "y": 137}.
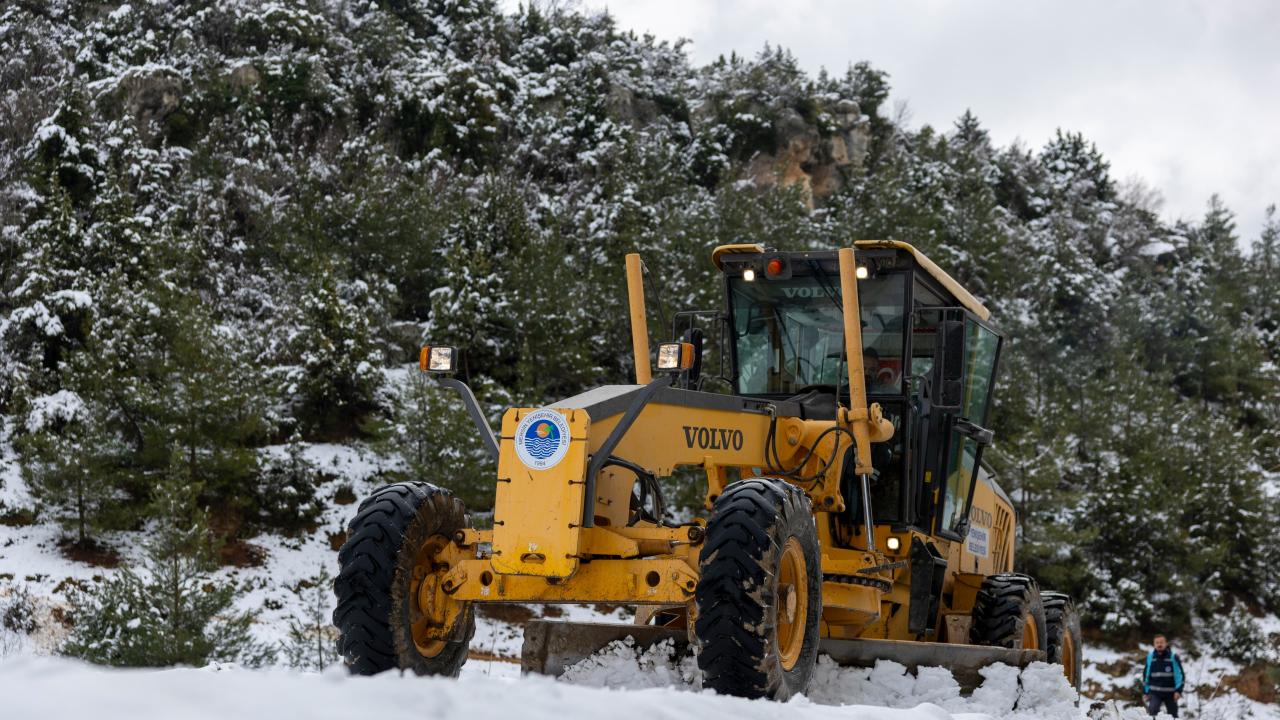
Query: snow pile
{"x": 620, "y": 664}
{"x": 1045, "y": 692}
{"x": 1039, "y": 691}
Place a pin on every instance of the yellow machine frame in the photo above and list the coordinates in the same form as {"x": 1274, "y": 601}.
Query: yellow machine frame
{"x": 541, "y": 549}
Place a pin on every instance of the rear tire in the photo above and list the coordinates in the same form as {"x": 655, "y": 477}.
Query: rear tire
{"x": 1064, "y": 646}
{"x": 759, "y": 594}
{"x": 375, "y": 582}
{"x": 1009, "y": 613}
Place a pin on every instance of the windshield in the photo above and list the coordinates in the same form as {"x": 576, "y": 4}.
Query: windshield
{"x": 789, "y": 334}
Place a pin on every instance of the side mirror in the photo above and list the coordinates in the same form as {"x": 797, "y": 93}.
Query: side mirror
{"x": 948, "y": 364}
{"x": 694, "y": 336}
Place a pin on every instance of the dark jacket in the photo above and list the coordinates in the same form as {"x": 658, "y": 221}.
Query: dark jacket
{"x": 1162, "y": 673}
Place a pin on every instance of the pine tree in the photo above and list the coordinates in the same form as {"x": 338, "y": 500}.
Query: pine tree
{"x": 1265, "y": 261}
{"x": 338, "y": 354}
{"x": 970, "y": 133}
{"x": 473, "y": 302}
{"x": 169, "y": 610}
{"x": 312, "y": 641}
{"x": 209, "y": 404}
{"x": 286, "y": 490}
{"x": 69, "y": 454}
{"x": 1265, "y": 281}
{"x": 44, "y": 300}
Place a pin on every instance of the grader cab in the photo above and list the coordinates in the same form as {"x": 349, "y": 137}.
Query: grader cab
{"x": 849, "y": 510}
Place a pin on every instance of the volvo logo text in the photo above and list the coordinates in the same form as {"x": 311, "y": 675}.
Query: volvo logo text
{"x": 713, "y": 438}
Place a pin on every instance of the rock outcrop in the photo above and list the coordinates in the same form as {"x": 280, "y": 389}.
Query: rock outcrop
{"x": 816, "y": 161}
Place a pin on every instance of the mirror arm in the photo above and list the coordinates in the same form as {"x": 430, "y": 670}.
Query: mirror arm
{"x": 477, "y": 415}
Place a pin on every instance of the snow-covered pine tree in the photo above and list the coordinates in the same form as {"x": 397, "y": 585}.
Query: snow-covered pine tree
{"x": 69, "y": 457}
{"x": 337, "y": 352}
{"x": 44, "y": 300}
{"x": 285, "y": 496}
{"x": 169, "y": 609}
{"x": 1266, "y": 264}
{"x": 1265, "y": 281}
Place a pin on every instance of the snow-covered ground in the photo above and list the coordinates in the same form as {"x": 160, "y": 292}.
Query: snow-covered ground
{"x": 653, "y": 683}
{"x": 54, "y": 689}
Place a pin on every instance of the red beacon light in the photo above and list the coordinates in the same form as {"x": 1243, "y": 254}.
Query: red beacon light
{"x": 774, "y": 267}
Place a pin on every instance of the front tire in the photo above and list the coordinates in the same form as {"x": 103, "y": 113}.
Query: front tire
{"x": 395, "y": 532}
{"x": 759, "y": 594}
{"x": 1063, "y": 634}
{"x": 1009, "y": 613}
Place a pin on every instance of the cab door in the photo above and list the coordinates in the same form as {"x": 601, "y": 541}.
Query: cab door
{"x": 968, "y": 433}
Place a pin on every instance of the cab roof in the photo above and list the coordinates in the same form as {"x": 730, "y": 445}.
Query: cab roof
{"x": 964, "y": 297}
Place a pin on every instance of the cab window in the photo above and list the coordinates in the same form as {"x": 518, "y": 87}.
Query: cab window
{"x": 981, "y": 348}
{"x": 789, "y": 334}
{"x": 924, "y": 299}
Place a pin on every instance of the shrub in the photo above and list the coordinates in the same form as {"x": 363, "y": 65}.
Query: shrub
{"x": 286, "y": 491}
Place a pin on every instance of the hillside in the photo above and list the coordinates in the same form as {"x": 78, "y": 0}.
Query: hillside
{"x": 226, "y": 228}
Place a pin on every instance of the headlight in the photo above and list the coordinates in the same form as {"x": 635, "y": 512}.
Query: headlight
{"x": 438, "y": 359}
{"x": 674, "y": 357}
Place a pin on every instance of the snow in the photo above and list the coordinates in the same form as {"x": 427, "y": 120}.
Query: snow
{"x": 622, "y": 665}
{"x": 37, "y": 687}
{"x": 1039, "y": 691}
{"x": 12, "y": 488}
{"x": 1156, "y": 247}
{"x": 62, "y": 406}
{"x": 71, "y": 299}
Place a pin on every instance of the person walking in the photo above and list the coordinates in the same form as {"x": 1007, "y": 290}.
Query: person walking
{"x": 1162, "y": 678}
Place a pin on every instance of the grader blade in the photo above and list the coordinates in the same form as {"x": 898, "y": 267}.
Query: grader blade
{"x": 964, "y": 661}
{"x": 550, "y": 647}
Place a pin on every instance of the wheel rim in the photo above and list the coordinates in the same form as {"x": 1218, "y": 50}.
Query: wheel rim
{"x": 1030, "y": 633}
{"x": 792, "y": 600}
{"x": 427, "y": 574}
{"x": 1069, "y": 658}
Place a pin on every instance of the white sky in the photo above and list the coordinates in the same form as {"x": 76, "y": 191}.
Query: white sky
{"x": 1184, "y": 94}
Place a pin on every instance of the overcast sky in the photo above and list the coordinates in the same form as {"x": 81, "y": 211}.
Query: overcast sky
{"x": 1183, "y": 94}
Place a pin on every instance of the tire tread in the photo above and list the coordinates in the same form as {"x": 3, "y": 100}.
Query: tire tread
{"x": 734, "y": 596}
{"x": 369, "y": 563}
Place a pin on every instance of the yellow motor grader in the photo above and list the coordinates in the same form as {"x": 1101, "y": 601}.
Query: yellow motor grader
{"x": 849, "y": 510}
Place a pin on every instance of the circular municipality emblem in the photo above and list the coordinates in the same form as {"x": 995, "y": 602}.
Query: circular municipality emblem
{"x": 542, "y": 439}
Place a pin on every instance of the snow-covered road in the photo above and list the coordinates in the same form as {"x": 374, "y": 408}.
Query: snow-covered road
{"x": 47, "y": 688}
